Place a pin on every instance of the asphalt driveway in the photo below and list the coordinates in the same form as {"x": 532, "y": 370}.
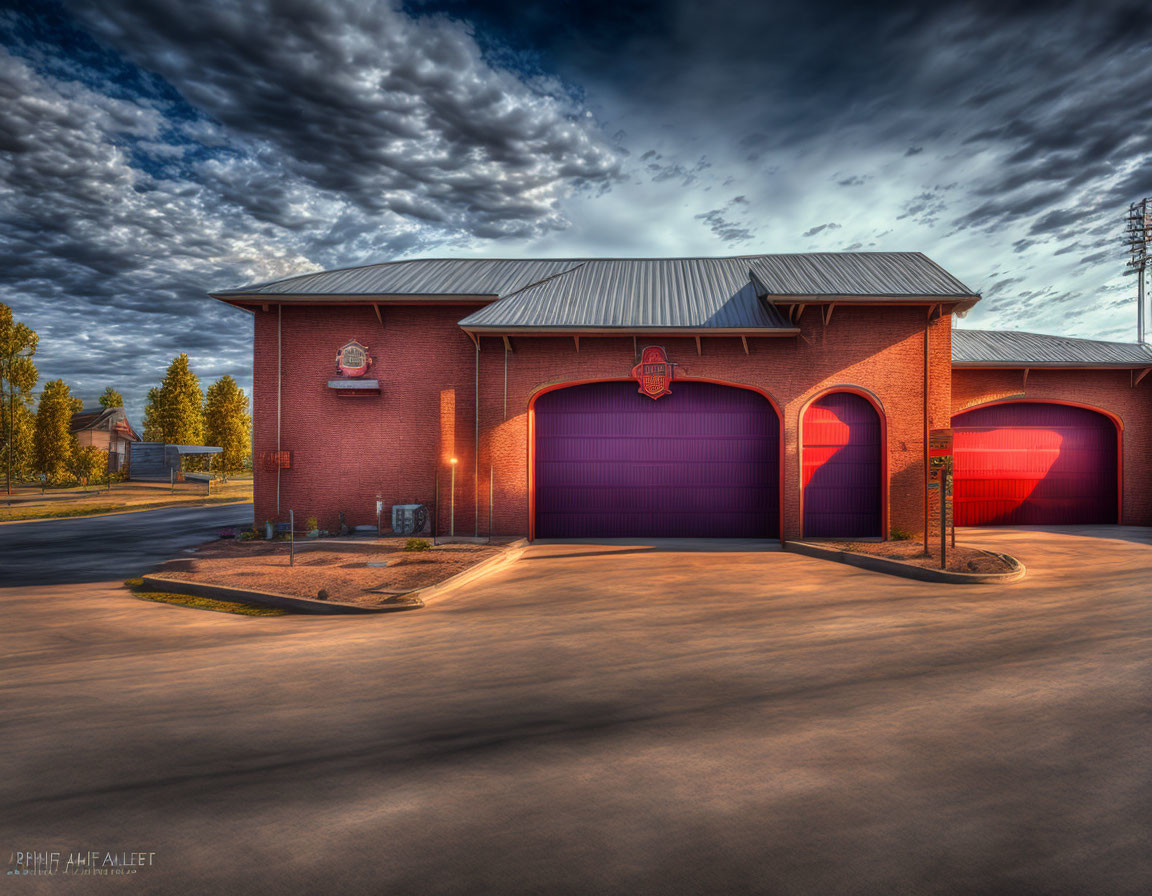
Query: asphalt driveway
{"x": 605, "y": 719}
{"x": 115, "y": 546}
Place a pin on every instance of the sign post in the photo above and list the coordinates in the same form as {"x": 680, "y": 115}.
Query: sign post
{"x": 940, "y": 476}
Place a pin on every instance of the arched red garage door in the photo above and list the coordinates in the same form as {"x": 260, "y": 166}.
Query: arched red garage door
{"x": 1031, "y": 464}
{"x": 842, "y": 473}
{"x": 700, "y": 462}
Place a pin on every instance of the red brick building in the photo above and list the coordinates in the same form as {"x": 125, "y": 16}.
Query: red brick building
{"x": 784, "y": 395}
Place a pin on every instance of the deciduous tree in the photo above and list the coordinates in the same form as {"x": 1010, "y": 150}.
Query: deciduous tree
{"x": 18, "y": 378}
{"x": 89, "y": 462}
{"x": 111, "y": 398}
{"x": 227, "y": 423}
{"x": 54, "y": 443}
{"x": 175, "y": 411}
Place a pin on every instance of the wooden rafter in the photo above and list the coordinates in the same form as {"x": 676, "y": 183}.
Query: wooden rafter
{"x": 828, "y": 309}
{"x": 475, "y": 339}
{"x": 1024, "y": 385}
{"x": 699, "y": 350}
{"x": 379, "y": 316}
{"x": 576, "y": 339}
{"x": 507, "y": 343}
{"x": 799, "y": 312}
{"x": 1136, "y": 379}
{"x": 744, "y": 339}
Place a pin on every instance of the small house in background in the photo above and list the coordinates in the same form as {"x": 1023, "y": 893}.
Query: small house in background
{"x": 159, "y": 462}
{"x": 107, "y": 429}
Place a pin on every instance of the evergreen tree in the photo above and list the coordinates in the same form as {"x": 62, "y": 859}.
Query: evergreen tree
{"x": 18, "y": 378}
{"x": 111, "y": 399}
{"x": 54, "y": 443}
{"x": 227, "y": 423}
{"x": 175, "y": 411}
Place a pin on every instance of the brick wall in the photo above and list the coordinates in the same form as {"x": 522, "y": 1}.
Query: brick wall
{"x": 1108, "y": 390}
{"x": 346, "y": 450}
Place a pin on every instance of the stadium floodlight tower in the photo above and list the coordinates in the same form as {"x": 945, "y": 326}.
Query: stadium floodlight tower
{"x": 1138, "y": 235}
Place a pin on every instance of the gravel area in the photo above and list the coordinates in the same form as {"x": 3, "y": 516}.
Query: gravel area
{"x": 346, "y": 571}
{"x": 960, "y": 558}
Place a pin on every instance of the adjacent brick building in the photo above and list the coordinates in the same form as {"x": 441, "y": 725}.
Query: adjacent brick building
{"x": 794, "y": 395}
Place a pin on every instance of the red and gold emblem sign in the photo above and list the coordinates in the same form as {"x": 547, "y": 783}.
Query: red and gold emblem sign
{"x": 353, "y": 360}
{"x": 654, "y": 372}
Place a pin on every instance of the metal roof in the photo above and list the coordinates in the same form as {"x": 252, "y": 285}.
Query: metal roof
{"x": 1010, "y": 348}
{"x": 420, "y": 277}
{"x": 873, "y": 274}
{"x": 649, "y": 294}
{"x": 631, "y": 293}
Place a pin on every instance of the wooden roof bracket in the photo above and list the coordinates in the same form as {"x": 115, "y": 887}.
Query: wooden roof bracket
{"x": 828, "y": 312}
{"x": 934, "y": 311}
{"x": 1024, "y": 384}
{"x": 507, "y": 343}
{"x": 799, "y": 312}
{"x": 744, "y": 339}
{"x": 576, "y": 339}
{"x": 379, "y": 316}
{"x": 475, "y": 339}
{"x": 699, "y": 350}
{"x": 1136, "y": 379}
{"x": 265, "y": 306}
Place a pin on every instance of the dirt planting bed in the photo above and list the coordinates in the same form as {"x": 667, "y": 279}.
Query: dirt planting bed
{"x": 345, "y": 571}
{"x": 959, "y": 558}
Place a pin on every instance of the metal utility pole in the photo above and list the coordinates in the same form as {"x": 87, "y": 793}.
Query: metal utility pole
{"x": 1138, "y": 234}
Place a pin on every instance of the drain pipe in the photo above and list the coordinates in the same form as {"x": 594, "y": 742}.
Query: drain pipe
{"x": 476, "y": 453}
{"x": 279, "y": 369}
{"x": 924, "y": 482}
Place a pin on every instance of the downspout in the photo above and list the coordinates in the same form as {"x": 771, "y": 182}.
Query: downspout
{"x": 476, "y": 453}
{"x": 279, "y": 369}
{"x": 924, "y": 482}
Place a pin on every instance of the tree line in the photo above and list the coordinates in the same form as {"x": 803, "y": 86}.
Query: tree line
{"x": 36, "y": 436}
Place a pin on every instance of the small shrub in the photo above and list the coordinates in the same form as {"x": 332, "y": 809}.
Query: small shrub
{"x": 249, "y": 534}
{"x": 311, "y": 524}
{"x": 901, "y": 535}
{"x": 322, "y": 594}
{"x": 417, "y": 544}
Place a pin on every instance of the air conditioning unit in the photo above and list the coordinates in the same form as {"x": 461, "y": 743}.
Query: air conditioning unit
{"x": 409, "y": 519}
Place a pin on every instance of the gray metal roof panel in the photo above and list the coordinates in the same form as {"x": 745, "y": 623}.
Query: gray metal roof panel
{"x": 877, "y": 274}
{"x": 1012, "y": 348}
{"x": 431, "y": 276}
{"x": 696, "y": 293}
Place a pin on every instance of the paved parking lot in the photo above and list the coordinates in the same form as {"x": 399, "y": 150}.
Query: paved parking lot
{"x": 606, "y": 719}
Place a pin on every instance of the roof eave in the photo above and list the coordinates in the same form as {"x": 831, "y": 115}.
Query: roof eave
{"x": 495, "y": 330}
{"x": 1055, "y": 365}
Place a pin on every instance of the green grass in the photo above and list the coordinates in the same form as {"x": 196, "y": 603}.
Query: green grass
{"x": 43, "y": 513}
{"x": 201, "y": 603}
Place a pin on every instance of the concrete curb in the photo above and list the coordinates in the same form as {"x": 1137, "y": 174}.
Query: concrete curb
{"x": 509, "y": 555}
{"x": 266, "y": 598}
{"x": 169, "y": 585}
{"x": 908, "y": 571}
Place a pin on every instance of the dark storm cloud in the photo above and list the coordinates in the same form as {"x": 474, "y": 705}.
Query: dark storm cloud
{"x": 154, "y": 151}
{"x": 360, "y": 100}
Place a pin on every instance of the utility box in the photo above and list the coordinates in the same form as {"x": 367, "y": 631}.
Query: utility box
{"x": 409, "y": 519}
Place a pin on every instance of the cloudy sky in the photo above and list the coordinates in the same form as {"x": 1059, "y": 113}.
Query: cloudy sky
{"x": 151, "y": 150}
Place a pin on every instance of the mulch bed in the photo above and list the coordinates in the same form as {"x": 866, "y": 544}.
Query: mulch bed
{"x": 341, "y": 570}
{"x": 960, "y": 558}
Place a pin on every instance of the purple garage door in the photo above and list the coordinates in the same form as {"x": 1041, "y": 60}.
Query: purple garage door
{"x": 842, "y": 474}
{"x": 701, "y": 462}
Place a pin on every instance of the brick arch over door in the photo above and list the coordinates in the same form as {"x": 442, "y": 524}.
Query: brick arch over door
{"x": 1035, "y": 463}
{"x": 703, "y": 461}
{"x": 842, "y": 467}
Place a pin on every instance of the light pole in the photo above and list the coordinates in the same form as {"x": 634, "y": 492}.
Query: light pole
{"x": 452, "y": 502}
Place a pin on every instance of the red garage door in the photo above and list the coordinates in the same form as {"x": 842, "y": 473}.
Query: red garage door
{"x": 1032, "y": 464}
{"x": 700, "y": 462}
{"x": 842, "y": 475}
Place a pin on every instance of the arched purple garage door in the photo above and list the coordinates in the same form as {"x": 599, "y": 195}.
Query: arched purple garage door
{"x": 1033, "y": 464}
{"x": 842, "y": 471}
{"x": 702, "y": 462}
